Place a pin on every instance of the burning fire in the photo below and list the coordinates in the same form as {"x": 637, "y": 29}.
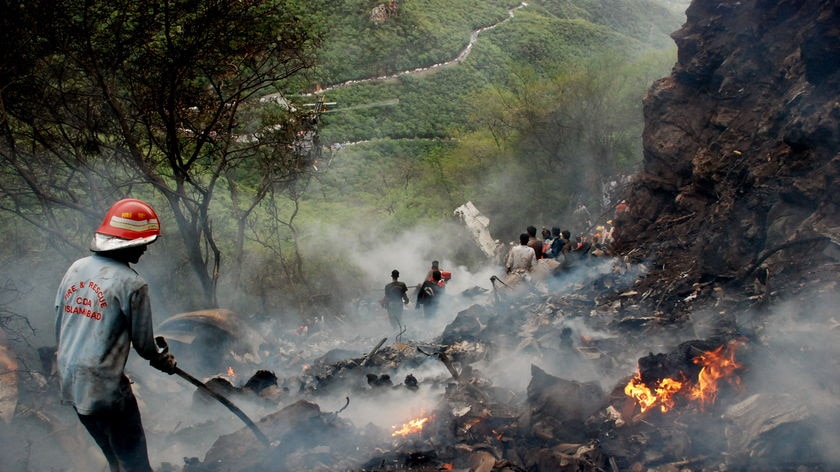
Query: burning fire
{"x": 718, "y": 364}
{"x": 231, "y": 372}
{"x": 663, "y": 395}
{"x": 413, "y": 426}
{"x": 715, "y": 365}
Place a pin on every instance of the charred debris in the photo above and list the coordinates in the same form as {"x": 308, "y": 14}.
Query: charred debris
{"x": 601, "y": 360}
{"x": 707, "y": 344}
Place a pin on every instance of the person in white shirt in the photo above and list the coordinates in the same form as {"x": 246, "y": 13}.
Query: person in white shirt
{"x": 521, "y": 258}
{"x": 103, "y": 309}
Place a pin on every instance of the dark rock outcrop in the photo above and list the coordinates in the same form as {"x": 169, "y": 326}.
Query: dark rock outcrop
{"x": 742, "y": 147}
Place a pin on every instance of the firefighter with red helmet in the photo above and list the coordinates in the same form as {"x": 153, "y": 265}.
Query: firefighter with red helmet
{"x": 102, "y": 309}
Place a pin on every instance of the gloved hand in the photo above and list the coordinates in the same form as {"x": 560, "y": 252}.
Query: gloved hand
{"x": 165, "y": 362}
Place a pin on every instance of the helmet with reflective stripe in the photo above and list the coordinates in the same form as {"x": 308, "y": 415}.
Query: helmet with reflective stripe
{"x": 128, "y": 223}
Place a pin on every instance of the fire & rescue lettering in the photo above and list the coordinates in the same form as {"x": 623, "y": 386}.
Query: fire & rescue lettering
{"x": 70, "y": 291}
{"x": 81, "y": 310}
{"x": 100, "y": 297}
{"x": 82, "y": 305}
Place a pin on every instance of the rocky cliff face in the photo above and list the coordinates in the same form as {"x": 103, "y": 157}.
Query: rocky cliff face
{"x": 742, "y": 147}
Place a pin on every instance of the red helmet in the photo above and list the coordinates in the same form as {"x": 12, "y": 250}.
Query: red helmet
{"x": 128, "y": 223}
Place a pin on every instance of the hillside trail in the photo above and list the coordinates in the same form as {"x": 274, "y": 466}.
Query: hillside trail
{"x": 423, "y": 70}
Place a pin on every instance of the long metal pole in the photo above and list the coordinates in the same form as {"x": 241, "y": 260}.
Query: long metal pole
{"x": 224, "y": 401}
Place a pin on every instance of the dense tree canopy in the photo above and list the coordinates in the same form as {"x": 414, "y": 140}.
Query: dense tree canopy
{"x": 155, "y": 99}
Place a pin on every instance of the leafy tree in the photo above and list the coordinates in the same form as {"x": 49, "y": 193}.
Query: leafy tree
{"x": 102, "y": 99}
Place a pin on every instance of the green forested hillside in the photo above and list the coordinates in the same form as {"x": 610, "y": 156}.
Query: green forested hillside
{"x": 421, "y": 33}
{"x": 525, "y": 109}
{"x": 549, "y": 100}
{"x": 647, "y": 21}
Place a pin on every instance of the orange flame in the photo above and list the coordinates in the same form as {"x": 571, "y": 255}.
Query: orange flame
{"x": 662, "y": 395}
{"x": 231, "y": 372}
{"x": 716, "y": 365}
{"x": 413, "y": 426}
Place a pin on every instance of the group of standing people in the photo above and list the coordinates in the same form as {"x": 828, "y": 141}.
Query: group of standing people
{"x": 555, "y": 244}
{"x": 427, "y": 295}
{"x": 523, "y": 257}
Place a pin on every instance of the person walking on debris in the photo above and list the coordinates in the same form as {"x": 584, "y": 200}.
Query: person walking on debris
{"x": 567, "y": 241}
{"x": 546, "y": 241}
{"x": 444, "y": 275}
{"x": 535, "y": 242}
{"x": 396, "y": 296}
{"x": 435, "y": 266}
{"x": 429, "y": 295}
{"x": 102, "y": 309}
{"x": 555, "y": 247}
{"x": 521, "y": 259}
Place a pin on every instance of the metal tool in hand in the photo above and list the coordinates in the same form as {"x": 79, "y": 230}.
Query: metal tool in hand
{"x": 224, "y": 401}
{"x": 161, "y": 342}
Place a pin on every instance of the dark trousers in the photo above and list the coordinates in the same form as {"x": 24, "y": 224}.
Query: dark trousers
{"x": 395, "y": 311}
{"x": 119, "y": 433}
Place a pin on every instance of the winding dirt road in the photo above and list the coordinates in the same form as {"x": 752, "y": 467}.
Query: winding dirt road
{"x": 456, "y": 60}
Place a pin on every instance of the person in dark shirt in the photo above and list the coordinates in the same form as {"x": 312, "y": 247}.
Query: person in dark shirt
{"x": 396, "y": 296}
{"x": 429, "y": 295}
{"x": 555, "y": 248}
{"x": 535, "y": 242}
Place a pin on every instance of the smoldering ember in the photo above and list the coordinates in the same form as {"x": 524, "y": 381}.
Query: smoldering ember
{"x": 708, "y": 341}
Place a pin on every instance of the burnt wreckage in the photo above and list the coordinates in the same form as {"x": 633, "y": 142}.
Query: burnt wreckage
{"x": 692, "y": 406}
{"x": 708, "y": 343}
